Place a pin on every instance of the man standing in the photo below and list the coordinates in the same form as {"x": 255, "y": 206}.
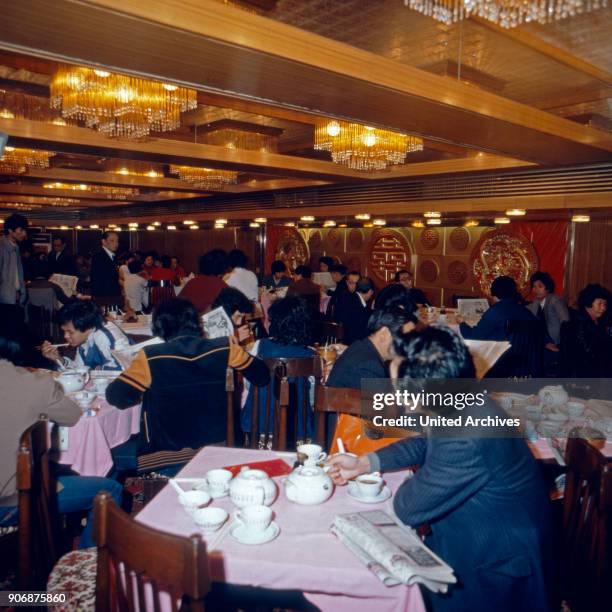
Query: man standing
{"x": 353, "y": 310}
{"x": 12, "y": 287}
{"x": 60, "y": 261}
{"x": 104, "y": 275}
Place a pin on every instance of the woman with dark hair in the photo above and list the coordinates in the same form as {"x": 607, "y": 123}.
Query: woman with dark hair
{"x": 202, "y": 290}
{"x": 479, "y": 489}
{"x": 290, "y": 334}
{"x": 162, "y": 282}
{"x": 325, "y": 263}
{"x": 506, "y": 307}
{"x": 586, "y": 345}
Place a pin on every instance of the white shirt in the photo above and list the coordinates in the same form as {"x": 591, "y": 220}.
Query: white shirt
{"x": 135, "y": 287}
{"x": 244, "y": 280}
{"x": 109, "y": 253}
{"x": 363, "y": 302}
{"x": 100, "y": 339}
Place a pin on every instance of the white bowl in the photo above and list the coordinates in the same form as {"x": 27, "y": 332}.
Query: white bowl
{"x": 575, "y": 409}
{"x": 557, "y": 417}
{"x": 210, "y": 519}
{"x": 84, "y": 398}
{"x": 193, "y": 500}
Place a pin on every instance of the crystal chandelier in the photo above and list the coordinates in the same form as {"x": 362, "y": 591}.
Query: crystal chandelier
{"x": 205, "y": 178}
{"x": 17, "y": 161}
{"x": 239, "y": 139}
{"x": 119, "y": 105}
{"x": 506, "y": 13}
{"x": 109, "y": 191}
{"x": 361, "y": 147}
{"x": 133, "y": 168}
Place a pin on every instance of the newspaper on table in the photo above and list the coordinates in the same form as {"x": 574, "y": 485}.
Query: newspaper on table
{"x": 217, "y": 324}
{"x": 392, "y": 551}
{"x": 65, "y": 282}
{"x": 485, "y": 354}
{"x": 126, "y": 355}
{"x": 472, "y": 308}
{"x": 323, "y": 278}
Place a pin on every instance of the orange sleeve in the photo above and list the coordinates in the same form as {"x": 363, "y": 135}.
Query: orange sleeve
{"x": 138, "y": 375}
{"x": 239, "y": 359}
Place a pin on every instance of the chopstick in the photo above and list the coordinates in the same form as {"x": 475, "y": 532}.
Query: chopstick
{"x": 55, "y": 345}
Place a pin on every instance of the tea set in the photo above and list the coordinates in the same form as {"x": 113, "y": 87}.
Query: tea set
{"x": 252, "y": 491}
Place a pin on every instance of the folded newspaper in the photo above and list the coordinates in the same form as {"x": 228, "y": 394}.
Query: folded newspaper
{"x": 392, "y": 551}
{"x": 66, "y": 283}
{"x": 126, "y": 355}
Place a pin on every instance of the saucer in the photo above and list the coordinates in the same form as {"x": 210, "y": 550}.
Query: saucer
{"x": 240, "y": 534}
{"x": 384, "y": 494}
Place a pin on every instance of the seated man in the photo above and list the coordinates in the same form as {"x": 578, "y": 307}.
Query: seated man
{"x": 181, "y": 384}
{"x": 353, "y": 310}
{"x": 85, "y": 329}
{"x": 483, "y": 496}
{"x": 277, "y": 277}
{"x": 26, "y": 395}
{"x": 135, "y": 287}
{"x": 406, "y": 279}
{"x": 303, "y": 285}
{"x": 237, "y": 307}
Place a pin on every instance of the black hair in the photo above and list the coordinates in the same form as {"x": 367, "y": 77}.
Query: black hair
{"x": 213, "y": 263}
{"x": 14, "y": 222}
{"x": 165, "y": 261}
{"x": 237, "y": 259}
{"x": 400, "y": 272}
{"x": 232, "y": 300}
{"x": 504, "y": 287}
{"x": 341, "y": 268}
{"x": 291, "y": 321}
{"x": 329, "y": 261}
{"x": 62, "y": 239}
{"x": 175, "y": 317}
{"x": 433, "y": 352}
{"x": 393, "y": 318}
{"x": 11, "y": 347}
{"x": 278, "y": 266}
{"x": 83, "y": 315}
{"x": 395, "y": 295}
{"x": 135, "y": 266}
{"x": 152, "y": 254}
{"x": 178, "y": 260}
{"x": 545, "y": 278}
{"x": 354, "y": 273}
{"x": 590, "y": 293}
{"x": 107, "y": 233}
{"x": 364, "y": 285}
{"x": 304, "y": 271}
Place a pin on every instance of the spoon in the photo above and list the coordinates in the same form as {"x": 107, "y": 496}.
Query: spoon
{"x": 175, "y": 486}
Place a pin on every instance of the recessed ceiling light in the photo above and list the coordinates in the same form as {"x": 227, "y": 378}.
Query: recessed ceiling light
{"x": 132, "y": 224}
{"x": 78, "y": 227}
{"x": 501, "y": 220}
{"x": 260, "y": 220}
{"x": 194, "y": 227}
{"x": 368, "y": 225}
{"x": 516, "y": 212}
{"x": 379, "y": 222}
{"x": 171, "y": 227}
{"x": 254, "y": 224}
{"x": 150, "y": 227}
{"x": 64, "y": 227}
{"x": 156, "y": 223}
{"x": 219, "y": 226}
{"x": 94, "y": 226}
{"x": 471, "y": 223}
{"x": 432, "y": 214}
{"x": 111, "y": 225}
{"x": 342, "y": 225}
{"x": 188, "y": 222}
{"x": 118, "y": 229}
{"x": 220, "y": 221}
{"x": 581, "y": 218}
{"x": 434, "y": 221}
{"x": 133, "y": 229}
{"x": 417, "y": 224}
{"x": 363, "y": 217}
{"x": 329, "y": 223}
{"x": 307, "y": 218}
{"x": 289, "y": 224}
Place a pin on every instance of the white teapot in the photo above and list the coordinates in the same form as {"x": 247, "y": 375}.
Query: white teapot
{"x": 553, "y": 395}
{"x": 252, "y": 488}
{"x": 308, "y": 485}
{"x": 73, "y": 380}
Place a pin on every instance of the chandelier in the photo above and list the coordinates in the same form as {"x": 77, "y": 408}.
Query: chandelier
{"x": 205, "y": 178}
{"x": 133, "y": 168}
{"x": 17, "y": 161}
{"x": 239, "y": 139}
{"x": 109, "y": 191}
{"x": 361, "y": 147}
{"x": 19, "y": 206}
{"x": 506, "y": 13}
{"x": 119, "y": 105}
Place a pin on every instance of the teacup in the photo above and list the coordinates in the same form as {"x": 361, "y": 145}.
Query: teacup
{"x": 254, "y": 519}
{"x": 100, "y": 384}
{"x": 312, "y": 454}
{"x": 218, "y": 482}
{"x": 575, "y": 409}
{"x": 192, "y": 500}
{"x": 84, "y": 398}
{"x": 369, "y": 485}
{"x": 210, "y": 519}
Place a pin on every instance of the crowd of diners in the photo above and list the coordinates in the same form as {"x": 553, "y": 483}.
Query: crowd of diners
{"x": 484, "y": 498}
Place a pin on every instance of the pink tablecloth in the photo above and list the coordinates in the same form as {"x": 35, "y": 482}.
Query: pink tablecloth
{"x": 90, "y": 440}
{"x": 305, "y": 556}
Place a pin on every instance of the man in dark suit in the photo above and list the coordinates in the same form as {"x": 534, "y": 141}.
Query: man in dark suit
{"x": 104, "y": 274}
{"x": 483, "y": 496}
{"x": 353, "y": 310}
{"x": 59, "y": 260}
{"x": 406, "y": 279}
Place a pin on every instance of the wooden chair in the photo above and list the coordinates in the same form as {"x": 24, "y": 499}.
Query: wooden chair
{"x": 329, "y": 332}
{"x": 334, "y": 400}
{"x": 587, "y": 527}
{"x": 278, "y": 396}
{"x": 231, "y": 407}
{"x": 133, "y": 563}
{"x": 39, "y": 523}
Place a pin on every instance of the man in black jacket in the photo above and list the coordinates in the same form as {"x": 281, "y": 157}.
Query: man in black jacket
{"x": 59, "y": 260}
{"x": 353, "y": 310}
{"x": 104, "y": 274}
{"x": 181, "y": 384}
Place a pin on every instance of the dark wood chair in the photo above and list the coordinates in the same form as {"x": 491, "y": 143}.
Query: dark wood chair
{"x": 283, "y": 374}
{"x": 329, "y": 332}
{"x": 40, "y": 541}
{"x": 231, "y": 407}
{"x": 525, "y": 357}
{"x": 334, "y": 400}
{"x": 587, "y": 527}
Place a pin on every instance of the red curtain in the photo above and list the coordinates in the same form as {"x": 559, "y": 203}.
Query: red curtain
{"x": 549, "y": 239}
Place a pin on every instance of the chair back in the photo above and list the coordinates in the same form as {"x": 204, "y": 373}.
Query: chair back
{"x": 329, "y": 332}
{"x": 282, "y": 372}
{"x": 587, "y": 526}
{"x": 230, "y": 439}
{"x": 334, "y": 400}
{"x": 41, "y": 323}
{"x": 39, "y": 524}
{"x": 136, "y": 562}
{"x": 524, "y": 358}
